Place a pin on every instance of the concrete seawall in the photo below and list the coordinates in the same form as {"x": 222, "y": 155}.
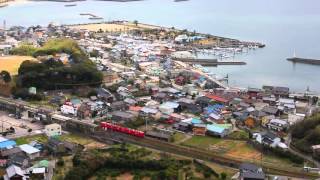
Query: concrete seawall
{"x": 209, "y": 62}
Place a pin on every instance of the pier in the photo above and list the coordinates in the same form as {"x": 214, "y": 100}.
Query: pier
{"x": 304, "y": 60}
{"x": 209, "y": 62}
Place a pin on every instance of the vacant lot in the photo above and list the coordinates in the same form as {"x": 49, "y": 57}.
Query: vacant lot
{"x": 12, "y": 63}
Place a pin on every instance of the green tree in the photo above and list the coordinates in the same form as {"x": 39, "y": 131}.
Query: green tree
{"x": 5, "y": 76}
{"x": 135, "y": 22}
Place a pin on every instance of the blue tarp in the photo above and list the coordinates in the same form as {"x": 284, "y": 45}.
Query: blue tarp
{"x": 7, "y": 144}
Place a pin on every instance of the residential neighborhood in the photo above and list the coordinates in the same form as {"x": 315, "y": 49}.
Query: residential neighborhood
{"x": 145, "y": 90}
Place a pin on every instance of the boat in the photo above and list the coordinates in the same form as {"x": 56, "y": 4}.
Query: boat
{"x": 296, "y": 59}
{"x": 95, "y": 18}
{"x": 70, "y": 5}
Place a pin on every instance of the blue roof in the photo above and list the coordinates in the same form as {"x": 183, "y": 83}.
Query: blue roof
{"x": 214, "y": 128}
{"x": 196, "y": 121}
{"x": 7, "y": 144}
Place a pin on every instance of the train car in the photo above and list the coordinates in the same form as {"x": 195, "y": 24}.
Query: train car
{"x": 124, "y": 130}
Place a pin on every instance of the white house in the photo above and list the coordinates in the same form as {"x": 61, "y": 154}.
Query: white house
{"x": 69, "y": 108}
{"x": 53, "y": 130}
{"x": 267, "y": 138}
{"x": 30, "y": 151}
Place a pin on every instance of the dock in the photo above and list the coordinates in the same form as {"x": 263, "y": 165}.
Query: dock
{"x": 209, "y": 62}
{"x": 304, "y": 60}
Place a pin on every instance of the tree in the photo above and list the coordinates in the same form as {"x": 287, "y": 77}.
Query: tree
{"x": 223, "y": 176}
{"x": 135, "y": 22}
{"x": 5, "y": 76}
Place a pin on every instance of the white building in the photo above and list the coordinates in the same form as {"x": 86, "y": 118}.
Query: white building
{"x": 69, "y": 109}
{"x": 53, "y": 130}
{"x": 30, "y": 151}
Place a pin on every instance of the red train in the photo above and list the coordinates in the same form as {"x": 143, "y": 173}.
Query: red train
{"x": 117, "y": 128}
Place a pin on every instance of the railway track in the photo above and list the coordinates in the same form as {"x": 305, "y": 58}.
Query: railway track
{"x": 206, "y": 155}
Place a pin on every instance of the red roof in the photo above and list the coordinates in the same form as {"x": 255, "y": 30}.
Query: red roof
{"x": 135, "y": 108}
{"x": 216, "y": 98}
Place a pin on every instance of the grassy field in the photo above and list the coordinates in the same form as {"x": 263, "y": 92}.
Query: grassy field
{"x": 77, "y": 139}
{"x": 241, "y": 135}
{"x": 178, "y": 137}
{"x": 235, "y": 149}
{"x": 12, "y": 63}
{"x": 203, "y": 142}
{"x": 25, "y": 140}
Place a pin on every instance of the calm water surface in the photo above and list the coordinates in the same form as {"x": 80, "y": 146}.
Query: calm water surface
{"x": 282, "y": 25}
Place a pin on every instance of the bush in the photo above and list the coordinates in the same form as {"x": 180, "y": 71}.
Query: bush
{"x": 60, "y": 162}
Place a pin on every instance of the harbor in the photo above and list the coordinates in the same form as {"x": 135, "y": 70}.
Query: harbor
{"x": 210, "y": 62}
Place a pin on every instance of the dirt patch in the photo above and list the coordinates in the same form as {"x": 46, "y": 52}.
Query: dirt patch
{"x": 95, "y": 145}
{"x": 243, "y": 151}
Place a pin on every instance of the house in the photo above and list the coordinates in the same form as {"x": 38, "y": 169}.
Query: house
{"x": 169, "y": 107}
{"x": 19, "y": 160}
{"x": 130, "y": 101}
{"x": 30, "y": 151}
{"x": 60, "y": 147}
{"x": 217, "y": 98}
{"x": 122, "y": 116}
{"x": 14, "y": 172}
{"x": 267, "y": 138}
{"x": 316, "y": 149}
{"x": 53, "y": 130}
{"x": 295, "y": 118}
{"x": 190, "y": 107}
{"x": 278, "y": 125}
{"x": 199, "y": 129}
{"x": 160, "y": 97}
{"x": 250, "y": 171}
{"x": 281, "y": 91}
{"x": 3, "y": 163}
{"x": 69, "y": 109}
{"x": 119, "y": 106}
{"x": 217, "y": 130}
{"x": 38, "y": 173}
{"x": 159, "y": 135}
{"x": 180, "y": 80}
{"x": 182, "y": 126}
{"x": 148, "y": 111}
{"x": 11, "y": 152}
{"x": 253, "y": 92}
{"x": 271, "y": 110}
{"x": 203, "y": 101}
{"x": 105, "y": 95}
{"x": 269, "y": 100}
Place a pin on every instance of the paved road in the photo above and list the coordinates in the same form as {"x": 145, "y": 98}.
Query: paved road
{"x": 304, "y": 156}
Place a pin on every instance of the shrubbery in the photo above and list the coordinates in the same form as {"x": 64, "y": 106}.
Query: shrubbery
{"x": 52, "y": 73}
{"x": 306, "y": 133}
